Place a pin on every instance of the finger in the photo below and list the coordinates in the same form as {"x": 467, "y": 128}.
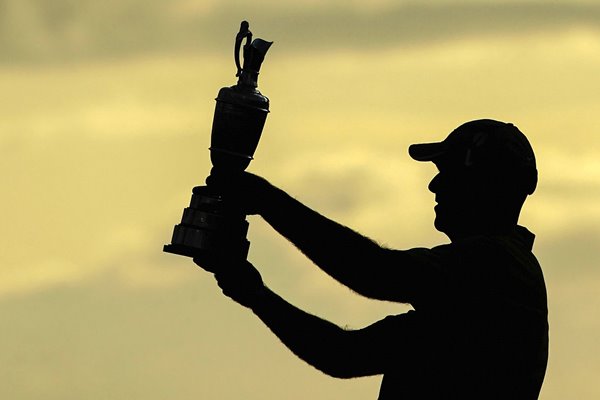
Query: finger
{"x": 205, "y": 264}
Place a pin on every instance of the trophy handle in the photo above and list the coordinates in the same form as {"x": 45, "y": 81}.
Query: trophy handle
{"x": 243, "y": 33}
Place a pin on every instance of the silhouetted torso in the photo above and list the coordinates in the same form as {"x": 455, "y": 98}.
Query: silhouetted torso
{"x": 479, "y": 329}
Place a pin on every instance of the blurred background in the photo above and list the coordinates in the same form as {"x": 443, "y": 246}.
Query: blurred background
{"x": 105, "y": 115}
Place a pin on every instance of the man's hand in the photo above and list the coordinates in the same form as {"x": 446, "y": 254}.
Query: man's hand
{"x": 238, "y": 280}
{"x": 248, "y": 192}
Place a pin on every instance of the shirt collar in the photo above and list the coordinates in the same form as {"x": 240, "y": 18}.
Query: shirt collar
{"x": 524, "y": 236}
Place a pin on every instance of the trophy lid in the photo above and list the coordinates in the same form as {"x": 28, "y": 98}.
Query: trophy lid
{"x": 254, "y": 52}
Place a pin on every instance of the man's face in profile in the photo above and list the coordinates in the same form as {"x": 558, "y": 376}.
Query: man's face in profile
{"x": 458, "y": 200}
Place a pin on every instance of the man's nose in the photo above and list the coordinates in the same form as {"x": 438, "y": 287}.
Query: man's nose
{"x": 434, "y": 184}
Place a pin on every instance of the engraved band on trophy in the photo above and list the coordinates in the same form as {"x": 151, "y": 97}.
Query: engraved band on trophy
{"x": 210, "y": 228}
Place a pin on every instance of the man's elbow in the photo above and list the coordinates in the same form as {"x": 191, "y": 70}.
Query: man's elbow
{"x": 387, "y": 279}
{"x": 343, "y": 356}
{"x": 340, "y": 372}
{"x": 346, "y": 365}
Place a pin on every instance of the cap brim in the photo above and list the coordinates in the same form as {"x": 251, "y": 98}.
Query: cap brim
{"x": 426, "y": 151}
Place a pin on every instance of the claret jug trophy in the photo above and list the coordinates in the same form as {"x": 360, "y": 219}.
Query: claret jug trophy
{"x": 211, "y": 228}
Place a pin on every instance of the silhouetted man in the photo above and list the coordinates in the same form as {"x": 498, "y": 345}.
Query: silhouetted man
{"x": 479, "y": 326}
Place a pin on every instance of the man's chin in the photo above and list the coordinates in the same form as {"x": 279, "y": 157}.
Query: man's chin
{"x": 439, "y": 225}
{"x": 443, "y": 225}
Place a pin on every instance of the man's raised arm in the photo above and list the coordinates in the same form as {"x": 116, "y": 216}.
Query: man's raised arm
{"x": 349, "y": 257}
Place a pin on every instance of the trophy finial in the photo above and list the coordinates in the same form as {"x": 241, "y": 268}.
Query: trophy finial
{"x": 253, "y": 54}
{"x": 243, "y": 33}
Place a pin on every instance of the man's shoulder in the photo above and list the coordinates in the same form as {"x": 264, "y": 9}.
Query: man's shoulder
{"x": 520, "y": 240}
{"x": 482, "y": 261}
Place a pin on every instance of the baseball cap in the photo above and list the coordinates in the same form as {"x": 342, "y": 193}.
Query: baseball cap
{"x": 486, "y": 145}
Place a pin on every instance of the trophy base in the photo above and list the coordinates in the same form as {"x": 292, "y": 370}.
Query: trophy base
{"x": 206, "y": 254}
{"x": 183, "y": 250}
{"x": 210, "y": 230}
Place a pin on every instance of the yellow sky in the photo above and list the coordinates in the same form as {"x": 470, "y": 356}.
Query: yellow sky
{"x": 99, "y": 155}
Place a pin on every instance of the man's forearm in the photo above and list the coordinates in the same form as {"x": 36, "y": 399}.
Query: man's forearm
{"x": 346, "y": 255}
{"x": 320, "y": 343}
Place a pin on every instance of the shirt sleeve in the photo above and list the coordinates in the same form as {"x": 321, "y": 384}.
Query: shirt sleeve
{"x": 390, "y": 343}
{"x": 417, "y": 275}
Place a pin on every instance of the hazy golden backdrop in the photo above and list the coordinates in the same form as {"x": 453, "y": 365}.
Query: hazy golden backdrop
{"x": 105, "y": 112}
